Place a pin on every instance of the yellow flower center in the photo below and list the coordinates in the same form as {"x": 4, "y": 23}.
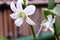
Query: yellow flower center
{"x": 22, "y": 14}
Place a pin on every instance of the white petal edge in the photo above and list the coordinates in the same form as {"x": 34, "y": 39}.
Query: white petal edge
{"x": 30, "y": 9}
{"x": 46, "y": 25}
{"x": 12, "y": 6}
{"x": 18, "y": 22}
{"x": 51, "y": 29}
{"x": 49, "y": 18}
{"x": 29, "y": 21}
{"x": 21, "y": 1}
{"x": 54, "y": 19}
{"x": 14, "y": 15}
{"x": 19, "y": 5}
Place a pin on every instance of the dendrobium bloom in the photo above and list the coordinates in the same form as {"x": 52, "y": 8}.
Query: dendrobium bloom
{"x": 49, "y": 24}
{"x": 21, "y": 14}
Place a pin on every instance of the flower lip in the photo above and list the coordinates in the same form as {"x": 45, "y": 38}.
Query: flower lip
{"x": 22, "y": 14}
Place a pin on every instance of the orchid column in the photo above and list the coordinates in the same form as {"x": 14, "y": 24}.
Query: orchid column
{"x": 20, "y": 14}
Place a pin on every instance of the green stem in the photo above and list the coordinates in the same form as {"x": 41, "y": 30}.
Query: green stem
{"x": 51, "y": 5}
{"x": 55, "y": 30}
{"x": 34, "y": 35}
{"x": 25, "y": 3}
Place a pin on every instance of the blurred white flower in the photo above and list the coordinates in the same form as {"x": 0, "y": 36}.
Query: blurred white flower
{"x": 21, "y": 14}
{"x": 49, "y": 24}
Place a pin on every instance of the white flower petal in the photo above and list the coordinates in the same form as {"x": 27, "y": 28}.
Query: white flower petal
{"x": 19, "y": 5}
{"x": 19, "y": 22}
{"x": 53, "y": 21}
{"x": 51, "y": 29}
{"x": 29, "y": 21}
{"x": 30, "y": 9}
{"x": 21, "y": 1}
{"x": 46, "y": 25}
{"x": 12, "y": 6}
{"x": 49, "y": 18}
{"x": 14, "y": 15}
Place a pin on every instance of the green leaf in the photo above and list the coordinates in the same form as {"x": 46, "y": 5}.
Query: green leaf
{"x": 57, "y": 27}
{"x": 43, "y": 36}
{"x": 51, "y": 4}
{"x": 2, "y": 38}
{"x": 47, "y": 12}
{"x": 56, "y": 10}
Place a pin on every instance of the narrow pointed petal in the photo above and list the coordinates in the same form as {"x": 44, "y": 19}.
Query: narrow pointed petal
{"x": 49, "y": 18}
{"x": 14, "y": 15}
{"x": 21, "y": 1}
{"x": 19, "y": 22}
{"x": 12, "y": 6}
{"x": 51, "y": 29}
{"x": 53, "y": 21}
{"x": 30, "y": 9}
{"x": 19, "y": 5}
{"x": 29, "y": 21}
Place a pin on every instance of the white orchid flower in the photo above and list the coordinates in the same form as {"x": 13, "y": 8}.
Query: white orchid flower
{"x": 49, "y": 23}
{"x": 21, "y": 14}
